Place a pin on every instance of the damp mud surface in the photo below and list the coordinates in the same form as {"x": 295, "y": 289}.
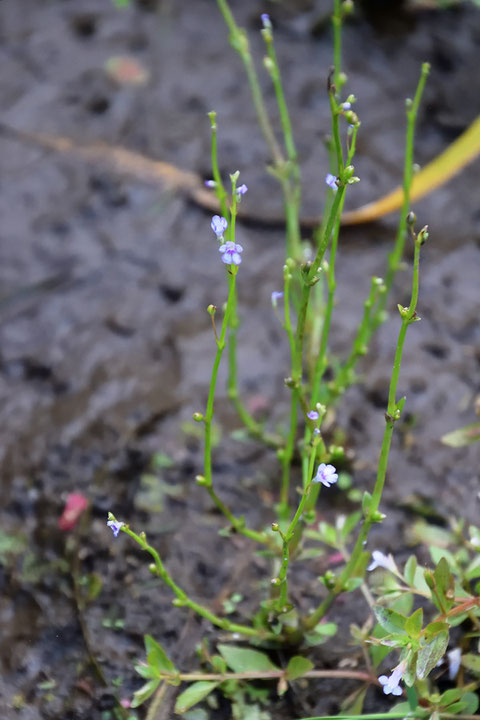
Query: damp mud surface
{"x": 106, "y": 348}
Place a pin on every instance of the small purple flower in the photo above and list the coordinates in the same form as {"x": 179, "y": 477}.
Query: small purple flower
{"x": 313, "y": 415}
{"x": 218, "y": 225}
{"x": 276, "y": 296}
{"x": 326, "y": 474}
{"x": 383, "y": 561}
{"x": 331, "y": 181}
{"x": 210, "y": 184}
{"x": 115, "y": 525}
{"x": 241, "y": 190}
{"x": 316, "y": 431}
{"x": 391, "y": 684}
{"x": 346, "y": 106}
{"x": 231, "y": 253}
{"x": 266, "y": 22}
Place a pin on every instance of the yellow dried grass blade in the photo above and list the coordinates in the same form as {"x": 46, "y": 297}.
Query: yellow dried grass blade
{"x": 460, "y": 153}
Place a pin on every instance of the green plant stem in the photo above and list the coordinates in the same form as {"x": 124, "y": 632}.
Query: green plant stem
{"x": 345, "y": 375}
{"x": 276, "y": 674}
{"x": 291, "y": 182}
{"x": 392, "y": 414}
{"x": 395, "y": 257}
{"x": 289, "y": 535}
{"x": 207, "y": 419}
{"x": 220, "y": 191}
{"x": 182, "y": 597}
{"x": 239, "y": 42}
{"x": 295, "y": 382}
{"x": 337, "y": 44}
{"x": 156, "y": 702}
{"x": 206, "y": 479}
{"x": 254, "y": 428}
{"x": 321, "y": 362}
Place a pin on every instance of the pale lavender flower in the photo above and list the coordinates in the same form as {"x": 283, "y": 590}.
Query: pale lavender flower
{"x": 331, "y": 181}
{"x": 231, "y": 253}
{"x": 316, "y": 431}
{"x": 242, "y": 190}
{"x": 383, "y": 561}
{"x": 326, "y": 474}
{"x": 313, "y": 415}
{"x": 218, "y": 225}
{"x": 276, "y": 296}
{"x": 115, "y": 525}
{"x": 210, "y": 184}
{"x": 391, "y": 684}
{"x": 266, "y": 22}
{"x": 346, "y": 106}
{"x": 454, "y": 657}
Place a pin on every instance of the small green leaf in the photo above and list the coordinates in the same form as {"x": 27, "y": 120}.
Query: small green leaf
{"x": 471, "y": 702}
{"x": 157, "y": 658}
{"x": 390, "y": 620}
{"x": 320, "y": 634}
{"x": 444, "y": 583}
{"x": 353, "y": 583}
{"x": 471, "y": 662}
{"x": 146, "y": 671}
{"x": 366, "y": 500}
{"x": 145, "y": 692}
{"x": 328, "y": 534}
{"x": 429, "y": 655}
{"x": 450, "y": 696}
{"x": 409, "y": 570}
{"x": 422, "y": 532}
{"x": 297, "y": 666}
{"x": 457, "y": 707}
{"x": 246, "y": 660}
{"x": 403, "y": 604}
{"x": 473, "y": 570}
{"x": 350, "y": 524}
{"x": 434, "y": 628}
{"x": 194, "y": 694}
{"x": 413, "y": 624}
{"x": 463, "y": 436}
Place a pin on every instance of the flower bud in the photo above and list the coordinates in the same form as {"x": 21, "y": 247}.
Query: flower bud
{"x": 411, "y": 218}
{"x": 268, "y": 62}
{"x": 197, "y": 416}
{"x": 212, "y": 309}
{"x": 351, "y": 117}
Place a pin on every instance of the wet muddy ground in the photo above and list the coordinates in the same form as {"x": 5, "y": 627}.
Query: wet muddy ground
{"x": 106, "y": 348}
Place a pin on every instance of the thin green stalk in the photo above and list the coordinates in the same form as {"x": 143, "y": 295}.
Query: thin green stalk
{"x": 345, "y": 375}
{"x": 321, "y": 363}
{"x": 253, "y": 427}
{"x": 207, "y": 418}
{"x": 337, "y": 44}
{"x": 220, "y": 191}
{"x": 182, "y": 599}
{"x": 291, "y": 183}
{"x": 206, "y": 479}
{"x": 325, "y": 238}
{"x": 281, "y": 579}
{"x": 395, "y": 257}
{"x": 275, "y": 675}
{"x": 294, "y": 382}
{"x": 239, "y": 42}
{"x": 394, "y": 409}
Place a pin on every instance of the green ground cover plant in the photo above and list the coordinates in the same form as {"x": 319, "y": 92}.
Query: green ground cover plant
{"x": 410, "y": 610}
